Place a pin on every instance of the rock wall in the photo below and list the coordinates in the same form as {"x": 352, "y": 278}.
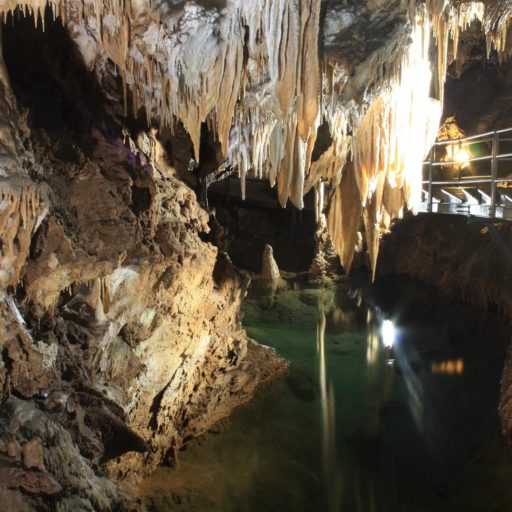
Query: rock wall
{"x": 460, "y": 259}
{"x": 119, "y": 325}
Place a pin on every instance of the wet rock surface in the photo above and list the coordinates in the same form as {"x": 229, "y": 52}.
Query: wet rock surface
{"x": 120, "y": 325}
{"x": 122, "y": 337}
{"x": 131, "y": 350}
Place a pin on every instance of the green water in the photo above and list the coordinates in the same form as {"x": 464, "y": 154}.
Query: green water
{"x": 358, "y": 425}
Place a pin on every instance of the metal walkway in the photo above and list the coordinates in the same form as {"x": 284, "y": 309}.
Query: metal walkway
{"x": 471, "y": 177}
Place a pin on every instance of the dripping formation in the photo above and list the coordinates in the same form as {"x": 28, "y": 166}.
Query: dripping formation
{"x": 227, "y": 69}
{"x": 106, "y": 261}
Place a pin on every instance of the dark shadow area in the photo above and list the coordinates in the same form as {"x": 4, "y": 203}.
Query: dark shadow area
{"x": 259, "y": 220}
{"x": 50, "y": 79}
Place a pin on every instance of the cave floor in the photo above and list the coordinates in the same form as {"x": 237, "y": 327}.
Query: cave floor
{"x": 391, "y": 404}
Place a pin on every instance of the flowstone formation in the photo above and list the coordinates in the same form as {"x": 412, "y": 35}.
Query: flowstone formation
{"x": 119, "y": 321}
{"x": 252, "y": 71}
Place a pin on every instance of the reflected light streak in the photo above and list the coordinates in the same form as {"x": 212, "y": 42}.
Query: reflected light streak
{"x": 388, "y": 332}
{"x": 413, "y": 384}
{"x": 332, "y": 472}
{"x": 450, "y": 367}
{"x": 372, "y": 349}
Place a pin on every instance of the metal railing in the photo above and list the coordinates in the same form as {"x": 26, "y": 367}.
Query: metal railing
{"x": 490, "y": 202}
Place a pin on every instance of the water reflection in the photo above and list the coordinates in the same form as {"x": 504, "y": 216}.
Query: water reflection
{"x": 376, "y": 415}
{"x": 332, "y": 473}
{"x": 453, "y": 367}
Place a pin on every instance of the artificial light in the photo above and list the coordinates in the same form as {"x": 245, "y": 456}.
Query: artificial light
{"x": 462, "y": 156}
{"x": 459, "y": 154}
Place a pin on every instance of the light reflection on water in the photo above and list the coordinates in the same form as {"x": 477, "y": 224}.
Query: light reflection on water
{"x": 452, "y": 367}
{"x": 390, "y": 405}
{"x": 332, "y": 472}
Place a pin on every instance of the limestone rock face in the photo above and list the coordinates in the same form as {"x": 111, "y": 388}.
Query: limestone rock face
{"x": 143, "y": 347}
{"x": 33, "y": 454}
{"x": 460, "y": 259}
{"x": 122, "y": 336}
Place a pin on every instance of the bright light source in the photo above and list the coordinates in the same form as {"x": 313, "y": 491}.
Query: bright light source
{"x": 388, "y": 332}
{"x": 459, "y": 154}
{"x": 462, "y": 156}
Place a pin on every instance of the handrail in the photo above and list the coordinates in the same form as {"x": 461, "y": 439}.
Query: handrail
{"x": 460, "y": 183}
{"x": 447, "y": 164}
{"x": 472, "y": 137}
{"x": 494, "y": 199}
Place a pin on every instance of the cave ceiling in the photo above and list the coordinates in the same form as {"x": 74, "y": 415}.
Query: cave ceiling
{"x": 264, "y": 75}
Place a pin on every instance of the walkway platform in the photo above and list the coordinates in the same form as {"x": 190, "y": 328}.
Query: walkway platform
{"x": 470, "y": 177}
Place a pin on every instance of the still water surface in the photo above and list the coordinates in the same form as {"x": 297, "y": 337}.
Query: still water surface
{"x": 390, "y": 405}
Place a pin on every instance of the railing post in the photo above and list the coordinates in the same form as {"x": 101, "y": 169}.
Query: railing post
{"x": 494, "y": 172}
{"x": 430, "y": 173}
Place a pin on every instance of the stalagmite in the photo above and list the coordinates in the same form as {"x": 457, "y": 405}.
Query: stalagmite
{"x": 270, "y": 274}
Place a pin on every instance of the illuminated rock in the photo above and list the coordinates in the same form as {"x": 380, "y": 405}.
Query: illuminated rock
{"x": 134, "y": 320}
{"x": 270, "y": 275}
{"x": 224, "y": 66}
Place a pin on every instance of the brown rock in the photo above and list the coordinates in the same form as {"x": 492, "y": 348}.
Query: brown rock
{"x": 33, "y": 454}
{"x": 13, "y": 500}
{"x": 10, "y": 477}
{"x": 56, "y": 401}
{"x": 326, "y": 262}
{"x": 13, "y": 448}
{"x": 27, "y": 374}
{"x": 39, "y": 483}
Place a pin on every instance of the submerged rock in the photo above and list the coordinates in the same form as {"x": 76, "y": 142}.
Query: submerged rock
{"x": 302, "y": 384}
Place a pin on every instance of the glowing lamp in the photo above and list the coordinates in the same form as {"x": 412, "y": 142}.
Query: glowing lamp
{"x": 462, "y": 156}
{"x": 459, "y": 154}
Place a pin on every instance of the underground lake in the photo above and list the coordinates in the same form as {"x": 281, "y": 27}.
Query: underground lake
{"x": 390, "y": 404}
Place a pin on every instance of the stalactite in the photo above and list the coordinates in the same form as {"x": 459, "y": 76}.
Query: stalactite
{"x": 105, "y": 293}
{"x": 329, "y": 167}
{"x": 20, "y": 215}
{"x": 344, "y": 217}
{"x": 392, "y": 140}
{"x": 252, "y": 73}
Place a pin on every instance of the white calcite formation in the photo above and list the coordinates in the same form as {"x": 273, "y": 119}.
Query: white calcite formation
{"x": 118, "y": 321}
{"x": 253, "y": 71}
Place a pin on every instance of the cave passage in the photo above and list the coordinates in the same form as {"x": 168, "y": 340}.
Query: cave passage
{"x": 390, "y": 404}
